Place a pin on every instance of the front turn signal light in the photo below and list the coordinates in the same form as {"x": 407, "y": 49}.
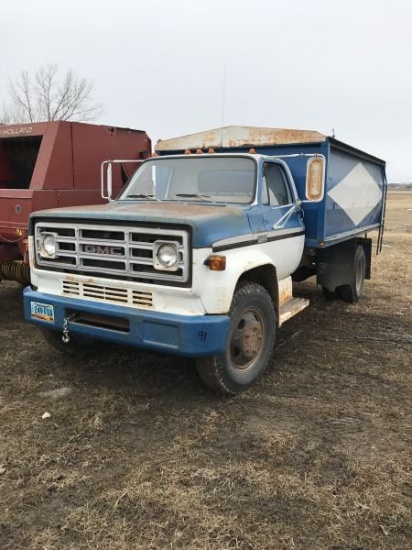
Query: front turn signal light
{"x": 216, "y": 263}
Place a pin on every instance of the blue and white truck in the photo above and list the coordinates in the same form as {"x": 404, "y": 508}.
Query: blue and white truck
{"x": 197, "y": 255}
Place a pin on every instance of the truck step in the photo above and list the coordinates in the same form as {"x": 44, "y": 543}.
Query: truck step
{"x": 290, "y": 308}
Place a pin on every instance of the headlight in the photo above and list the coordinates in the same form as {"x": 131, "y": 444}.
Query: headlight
{"x": 47, "y": 245}
{"x": 166, "y": 256}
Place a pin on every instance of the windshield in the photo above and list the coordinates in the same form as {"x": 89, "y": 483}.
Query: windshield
{"x": 208, "y": 179}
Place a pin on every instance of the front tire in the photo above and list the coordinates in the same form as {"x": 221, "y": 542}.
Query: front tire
{"x": 250, "y": 343}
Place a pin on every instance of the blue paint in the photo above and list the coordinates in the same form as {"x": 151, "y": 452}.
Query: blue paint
{"x": 325, "y": 222}
{"x": 190, "y": 336}
{"x": 209, "y": 223}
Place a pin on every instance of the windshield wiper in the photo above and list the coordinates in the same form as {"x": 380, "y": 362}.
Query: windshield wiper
{"x": 205, "y": 198}
{"x": 142, "y": 196}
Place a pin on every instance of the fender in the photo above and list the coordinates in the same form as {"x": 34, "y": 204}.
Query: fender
{"x": 216, "y": 288}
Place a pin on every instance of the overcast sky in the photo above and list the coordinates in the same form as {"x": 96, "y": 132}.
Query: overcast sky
{"x": 180, "y": 66}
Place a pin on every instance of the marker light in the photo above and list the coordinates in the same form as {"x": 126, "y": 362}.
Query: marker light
{"x": 315, "y": 177}
{"x": 216, "y": 263}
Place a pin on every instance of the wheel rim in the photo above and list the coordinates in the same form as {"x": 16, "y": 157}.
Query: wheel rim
{"x": 359, "y": 275}
{"x": 246, "y": 339}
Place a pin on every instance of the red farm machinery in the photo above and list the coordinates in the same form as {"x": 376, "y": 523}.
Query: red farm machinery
{"x": 51, "y": 164}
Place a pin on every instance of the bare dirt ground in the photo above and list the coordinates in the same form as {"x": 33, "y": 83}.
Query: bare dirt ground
{"x": 136, "y": 454}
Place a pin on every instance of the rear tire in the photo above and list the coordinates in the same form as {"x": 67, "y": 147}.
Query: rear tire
{"x": 250, "y": 343}
{"x": 78, "y": 344}
{"x": 354, "y": 290}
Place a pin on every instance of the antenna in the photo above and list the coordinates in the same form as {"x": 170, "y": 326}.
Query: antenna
{"x": 223, "y": 93}
{"x": 222, "y": 123}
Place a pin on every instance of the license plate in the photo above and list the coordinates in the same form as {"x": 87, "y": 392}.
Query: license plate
{"x": 42, "y": 311}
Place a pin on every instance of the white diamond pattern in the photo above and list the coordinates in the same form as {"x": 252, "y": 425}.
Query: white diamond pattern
{"x": 357, "y": 194}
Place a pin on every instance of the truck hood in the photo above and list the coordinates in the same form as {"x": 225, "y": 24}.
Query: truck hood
{"x": 209, "y": 223}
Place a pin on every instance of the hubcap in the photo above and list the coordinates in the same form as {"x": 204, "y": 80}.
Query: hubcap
{"x": 247, "y": 338}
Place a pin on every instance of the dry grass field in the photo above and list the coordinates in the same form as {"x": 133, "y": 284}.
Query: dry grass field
{"x": 136, "y": 454}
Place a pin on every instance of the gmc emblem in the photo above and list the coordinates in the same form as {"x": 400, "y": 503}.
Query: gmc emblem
{"x": 107, "y": 250}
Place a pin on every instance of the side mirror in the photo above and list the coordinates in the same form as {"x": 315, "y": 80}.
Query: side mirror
{"x": 315, "y": 179}
{"x": 109, "y": 180}
{"x": 106, "y": 180}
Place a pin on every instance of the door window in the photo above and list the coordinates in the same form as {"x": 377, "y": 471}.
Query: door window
{"x": 276, "y": 190}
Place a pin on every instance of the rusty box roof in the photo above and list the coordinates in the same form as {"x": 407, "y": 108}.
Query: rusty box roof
{"x": 239, "y": 136}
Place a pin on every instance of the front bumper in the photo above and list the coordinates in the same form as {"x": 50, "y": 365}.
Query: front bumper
{"x": 186, "y": 335}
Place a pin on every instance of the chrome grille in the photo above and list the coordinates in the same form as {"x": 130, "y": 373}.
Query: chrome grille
{"x": 112, "y": 251}
{"x": 140, "y": 298}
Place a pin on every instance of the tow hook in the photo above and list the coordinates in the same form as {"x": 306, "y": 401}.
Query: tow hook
{"x": 65, "y": 335}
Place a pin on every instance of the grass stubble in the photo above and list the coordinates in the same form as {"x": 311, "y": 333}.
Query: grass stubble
{"x": 135, "y": 454}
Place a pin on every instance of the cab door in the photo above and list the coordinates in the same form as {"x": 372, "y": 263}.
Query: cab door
{"x": 282, "y": 218}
